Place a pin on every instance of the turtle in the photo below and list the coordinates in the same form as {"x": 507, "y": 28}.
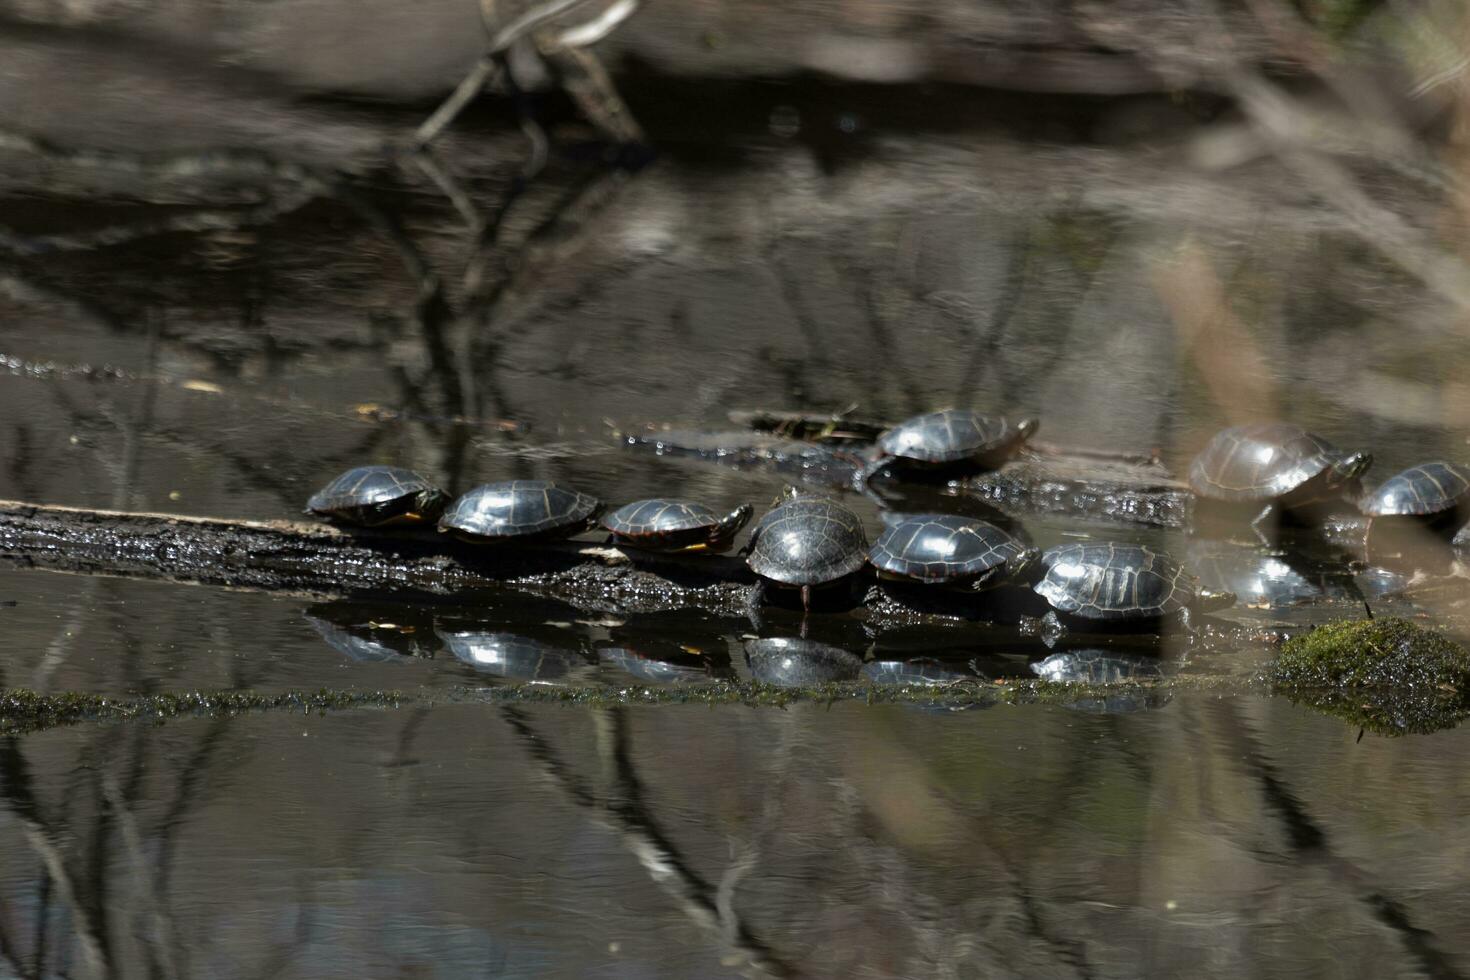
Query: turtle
{"x": 674, "y": 525}
{"x": 947, "y": 439}
{"x": 1114, "y": 584}
{"x": 510, "y": 655}
{"x": 371, "y": 496}
{"x": 805, "y": 541}
{"x": 1275, "y": 465}
{"x": 1429, "y": 490}
{"x": 520, "y": 510}
{"x": 789, "y": 662}
{"x": 953, "y": 551}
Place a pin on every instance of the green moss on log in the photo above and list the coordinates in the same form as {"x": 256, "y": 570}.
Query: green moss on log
{"x": 1387, "y": 675}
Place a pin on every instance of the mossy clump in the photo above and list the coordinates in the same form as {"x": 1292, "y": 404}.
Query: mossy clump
{"x": 1387, "y": 675}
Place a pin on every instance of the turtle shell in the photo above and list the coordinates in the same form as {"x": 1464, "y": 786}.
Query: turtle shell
{"x": 520, "y": 509}
{"x": 1420, "y": 491}
{"x": 1260, "y": 462}
{"x": 1115, "y": 582}
{"x": 673, "y": 524}
{"x": 788, "y": 662}
{"x": 953, "y": 434}
{"x": 945, "y": 548}
{"x": 808, "y": 541}
{"x": 372, "y": 495}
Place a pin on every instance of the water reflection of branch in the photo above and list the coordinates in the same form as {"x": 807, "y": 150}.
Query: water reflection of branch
{"x": 1310, "y": 843}
{"x": 658, "y": 855}
{"x": 18, "y": 794}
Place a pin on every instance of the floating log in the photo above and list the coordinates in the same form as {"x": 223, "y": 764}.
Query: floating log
{"x": 320, "y": 560}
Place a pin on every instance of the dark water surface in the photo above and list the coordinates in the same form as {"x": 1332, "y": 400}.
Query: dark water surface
{"x": 1212, "y": 837}
{"x": 1172, "y": 835}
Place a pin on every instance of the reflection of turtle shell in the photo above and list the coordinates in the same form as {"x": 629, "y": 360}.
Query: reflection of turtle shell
{"x": 1099, "y": 668}
{"x": 1258, "y": 580}
{"x": 1112, "y": 581}
{"x": 788, "y": 662}
{"x": 511, "y": 656}
{"x": 364, "y": 646}
{"x": 921, "y": 671}
{"x": 651, "y": 669}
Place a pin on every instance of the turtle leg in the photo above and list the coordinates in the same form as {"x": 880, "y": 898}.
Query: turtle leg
{"x": 806, "y": 598}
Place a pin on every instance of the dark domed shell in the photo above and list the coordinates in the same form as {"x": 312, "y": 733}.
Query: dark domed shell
{"x": 808, "y": 541}
{"x": 375, "y": 494}
{"x": 951, "y": 435}
{"x": 665, "y": 524}
{"x": 519, "y": 508}
{"x": 1261, "y": 462}
{"x": 659, "y": 516}
{"x": 1114, "y": 581}
{"x": 788, "y": 662}
{"x": 1429, "y": 488}
{"x": 944, "y": 547}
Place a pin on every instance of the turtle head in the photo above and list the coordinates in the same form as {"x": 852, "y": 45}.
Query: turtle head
{"x": 1212, "y": 601}
{"x": 1351, "y": 467}
{"x": 1027, "y": 427}
{"x": 789, "y": 492}
{"x": 1021, "y": 566}
{"x": 735, "y": 520}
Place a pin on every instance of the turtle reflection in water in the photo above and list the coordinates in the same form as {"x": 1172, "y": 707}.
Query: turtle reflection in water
{"x": 1275, "y": 466}
{"x": 918, "y": 672}
{"x": 950, "y": 440}
{"x": 371, "y": 496}
{"x": 512, "y": 656}
{"x": 652, "y": 669}
{"x": 1100, "y": 668}
{"x": 1126, "y": 586}
{"x": 788, "y": 662}
{"x": 368, "y": 641}
{"x": 804, "y": 542}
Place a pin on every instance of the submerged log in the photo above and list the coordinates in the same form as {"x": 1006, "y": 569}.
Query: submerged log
{"x": 1045, "y": 479}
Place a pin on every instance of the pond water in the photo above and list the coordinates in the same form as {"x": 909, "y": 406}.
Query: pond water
{"x": 1131, "y": 300}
